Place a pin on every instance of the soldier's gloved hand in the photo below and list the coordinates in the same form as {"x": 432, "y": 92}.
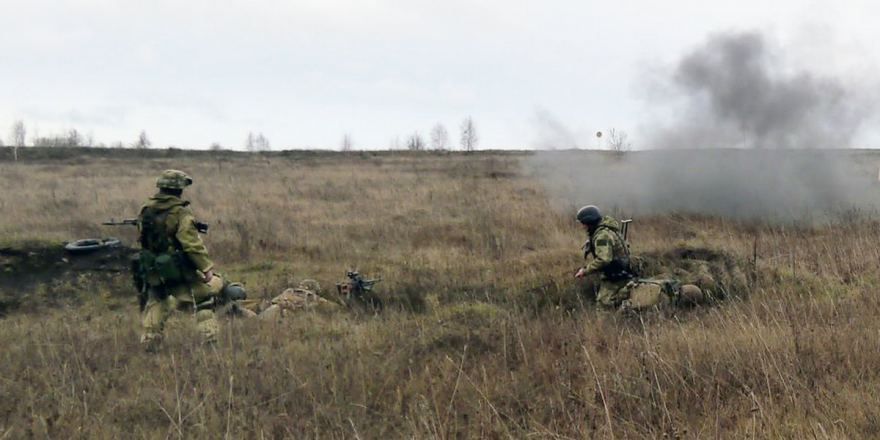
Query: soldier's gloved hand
{"x": 580, "y": 273}
{"x": 208, "y": 276}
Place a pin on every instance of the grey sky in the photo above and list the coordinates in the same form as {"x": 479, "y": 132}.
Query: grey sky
{"x": 306, "y": 72}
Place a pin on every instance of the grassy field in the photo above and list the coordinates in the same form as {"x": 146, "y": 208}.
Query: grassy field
{"x": 486, "y": 333}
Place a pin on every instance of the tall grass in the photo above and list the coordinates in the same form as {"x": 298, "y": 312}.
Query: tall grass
{"x": 491, "y": 339}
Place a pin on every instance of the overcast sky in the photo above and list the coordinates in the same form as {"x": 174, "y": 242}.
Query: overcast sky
{"x": 306, "y": 72}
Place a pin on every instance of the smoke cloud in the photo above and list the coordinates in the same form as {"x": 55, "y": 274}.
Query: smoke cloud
{"x": 753, "y": 140}
{"x": 552, "y": 133}
{"x": 736, "y": 92}
{"x": 776, "y": 185}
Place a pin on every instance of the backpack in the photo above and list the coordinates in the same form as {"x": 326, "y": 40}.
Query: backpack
{"x": 161, "y": 262}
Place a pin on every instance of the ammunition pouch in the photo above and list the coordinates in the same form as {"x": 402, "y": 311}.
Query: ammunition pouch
{"x": 618, "y": 269}
{"x": 162, "y": 269}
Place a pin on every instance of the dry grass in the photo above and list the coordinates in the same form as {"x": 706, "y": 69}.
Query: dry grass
{"x": 490, "y": 339}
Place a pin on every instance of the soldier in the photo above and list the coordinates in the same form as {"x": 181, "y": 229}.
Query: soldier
{"x": 304, "y": 297}
{"x": 618, "y": 285}
{"x": 610, "y": 256}
{"x": 174, "y": 266}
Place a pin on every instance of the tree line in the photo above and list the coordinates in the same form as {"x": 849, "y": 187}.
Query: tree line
{"x": 439, "y": 140}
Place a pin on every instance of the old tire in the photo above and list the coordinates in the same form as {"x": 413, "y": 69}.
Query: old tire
{"x": 89, "y": 245}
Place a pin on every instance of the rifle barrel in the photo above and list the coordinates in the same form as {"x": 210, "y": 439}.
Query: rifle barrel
{"x": 124, "y": 222}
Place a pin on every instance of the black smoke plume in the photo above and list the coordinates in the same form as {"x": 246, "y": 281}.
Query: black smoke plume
{"x": 752, "y": 138}
{"x": 737, "y": 92}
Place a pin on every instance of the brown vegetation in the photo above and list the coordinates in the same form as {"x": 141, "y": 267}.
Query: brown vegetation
{"x": 487, "y": 336}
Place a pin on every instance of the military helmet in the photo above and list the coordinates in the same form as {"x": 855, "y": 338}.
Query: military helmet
{"x": 173, "y": 179}
{"x": 589, "y": 215}
{"x": 310, "y": 285}
{"x": 234, "y": 292}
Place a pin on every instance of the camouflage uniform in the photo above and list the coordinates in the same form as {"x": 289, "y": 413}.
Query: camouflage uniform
{"x": 302, "y": 298}
{"x": 171, "y": 216}
{"x": 617, "y": 283}
{"x": 611, "y": 260}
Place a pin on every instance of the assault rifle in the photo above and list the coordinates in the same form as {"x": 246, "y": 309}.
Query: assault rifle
{"x": 202, "y": 227}
{"x": 587, "y": 247}
{"x": 624, "y": 224}
{"x": 123, "y": 222}
{"x": 359, "y": 289}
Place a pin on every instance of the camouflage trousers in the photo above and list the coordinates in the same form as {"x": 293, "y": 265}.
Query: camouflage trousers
{"x": 637, "y": 294}
{"x": 183, "y": 297}
{"x": 612, "y": 293}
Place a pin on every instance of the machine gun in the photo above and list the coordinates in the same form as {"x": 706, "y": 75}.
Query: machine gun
{"x": 123, "y": 222}
{"x": 358, "y": 290}
{"x": 202, "y": 227}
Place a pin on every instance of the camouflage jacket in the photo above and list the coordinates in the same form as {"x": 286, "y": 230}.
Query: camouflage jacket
{"x": 180, "y": 228}
{"x": 607, "y": 246}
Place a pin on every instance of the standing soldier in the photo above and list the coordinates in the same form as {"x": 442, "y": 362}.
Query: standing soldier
{"x": 610, "y": 256}
{"x": 174, "y": 267}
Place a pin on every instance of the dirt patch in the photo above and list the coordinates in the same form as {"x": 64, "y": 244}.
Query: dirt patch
{"x": 47, "y": 274}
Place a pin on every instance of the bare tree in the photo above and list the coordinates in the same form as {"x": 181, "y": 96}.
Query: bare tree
{"x": 346, "y": 143}
{"x": 257, "y": 142}
{"x": 439, "y": 137}
{"x": 143, "y": 141}
{"x": 71, "y": 138}
{"x": 618, "y": 141}
{"x": 415, "y": 142}
{"x": 74, "y": 139}
{"x": 215, "y": 146}
{"x": 18, "y": 134}
{"x": 469, "y": 137}
{"x": 263, "y": 143}
{"x": 44, "y": 141}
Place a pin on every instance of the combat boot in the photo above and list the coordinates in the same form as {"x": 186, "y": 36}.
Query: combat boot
{"x": 151, "y": 342}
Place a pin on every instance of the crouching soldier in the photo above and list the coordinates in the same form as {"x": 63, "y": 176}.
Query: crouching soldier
{"x": 174, "y": 268}
{"x": 610, "y": 256}
{"x": 618, "y": 285}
